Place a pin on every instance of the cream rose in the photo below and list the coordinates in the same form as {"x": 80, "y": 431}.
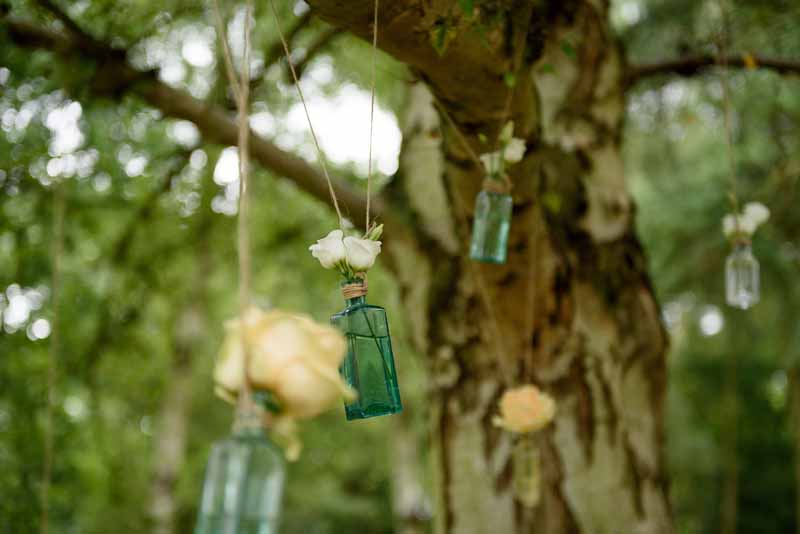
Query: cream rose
{"x": 525, "y": 409}
{"x": 291, "y": 356}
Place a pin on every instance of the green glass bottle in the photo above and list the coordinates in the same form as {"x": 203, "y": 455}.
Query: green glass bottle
{"x": 491, "y": 226}
{"x": 368, "y": 367}
{"x": 244, "y": 483}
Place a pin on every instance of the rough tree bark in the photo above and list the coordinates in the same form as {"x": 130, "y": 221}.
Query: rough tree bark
{"x": 794, "y": 423}
{"x": 174, "y": 417}
{"x": 572, "y": 310}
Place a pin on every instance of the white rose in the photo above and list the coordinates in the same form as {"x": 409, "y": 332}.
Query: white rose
{"x": 757, "y": 212}
{"x": 291, "y": 356}
{"x": 492, "y": 162}
{"x": 729, "y": 225}
{"x": 747, "y": 225}
{"x": 514, "y": 151}
{"x": 330, "y": 249}
{"x": 361, "y": 253}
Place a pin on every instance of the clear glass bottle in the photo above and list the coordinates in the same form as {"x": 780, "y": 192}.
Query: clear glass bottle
{"x": 491, "y": 227}
{"x": 368, "y": 367}
{"x": 742, "y": 277}
{"x": 244, "y": 483}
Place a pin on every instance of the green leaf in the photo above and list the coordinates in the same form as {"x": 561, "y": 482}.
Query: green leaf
{"x": 569, "y": 50}
{"x": 510, "y": 79}
{"x": 467, "y": 6}
{"x": 547, "y": 68}
{"x": 439, "y": 36}
{"x": 552, "y": 202}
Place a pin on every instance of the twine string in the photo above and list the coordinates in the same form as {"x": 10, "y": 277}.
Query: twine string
{"x": 372, "y": 110}
{"x": 57, "y": 253}
{"x": 516, "y": 66}
{"x": 245, "y": 405}
{"x": 320, "y": 154}
{"x": 722, "y": 59}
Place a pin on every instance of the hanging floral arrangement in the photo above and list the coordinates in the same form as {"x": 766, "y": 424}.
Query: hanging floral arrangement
{"x": 368, "y": 367}
{"x": 493, "y": 204}
{"x": 525, "y": 411}
{"x": 293, "y": 365}
{"x": 742, "y": 272}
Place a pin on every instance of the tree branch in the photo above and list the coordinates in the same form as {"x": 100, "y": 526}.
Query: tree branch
{"x": 212, "y": 121}
{"x": 693, "y": 65}
{"x": 460, "y": 69}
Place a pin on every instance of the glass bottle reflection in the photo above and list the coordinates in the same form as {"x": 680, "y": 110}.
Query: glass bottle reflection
{"x": 742, "y": 277}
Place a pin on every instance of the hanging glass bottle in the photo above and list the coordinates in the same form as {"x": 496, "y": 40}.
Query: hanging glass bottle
{"x": 491, "y": 226}
{"x": 244, "y": 482}
{"x": 742, "y": 277}
{"x": 368, "y": 367}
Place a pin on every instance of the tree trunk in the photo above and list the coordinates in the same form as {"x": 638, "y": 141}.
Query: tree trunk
{"x": 730, "y": 485}
{"x": 171, "y": 437}
{"x": 572, "y": 310}
{"x": 794, "y": 415}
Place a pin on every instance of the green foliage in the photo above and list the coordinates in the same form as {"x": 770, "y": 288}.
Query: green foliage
{"x": 144, "y": 244}
{"x": 676, "y": 160}
{"x": 467, "y": 6}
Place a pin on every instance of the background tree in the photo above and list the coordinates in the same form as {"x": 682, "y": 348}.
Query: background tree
{"x": 573, "y": 310}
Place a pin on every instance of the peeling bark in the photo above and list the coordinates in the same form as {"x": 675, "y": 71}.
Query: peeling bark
{"x": 171, "y": 437}
{"x": 572, "y": 310}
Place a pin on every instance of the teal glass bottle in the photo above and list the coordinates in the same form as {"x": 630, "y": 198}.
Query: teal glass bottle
{"x": 243, "y": 485}
{"x": 491, "y": 226}
{"x": 368, "y": 367}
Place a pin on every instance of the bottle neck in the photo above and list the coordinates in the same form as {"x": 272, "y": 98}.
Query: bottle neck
{"x": 356, "y": 301}
{"x": 354, "y": 292}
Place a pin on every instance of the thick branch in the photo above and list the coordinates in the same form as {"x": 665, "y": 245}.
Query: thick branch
{"x": 214, "y": 123}
{"x": 692, "y": 65}
{"x": 464, "y": 70}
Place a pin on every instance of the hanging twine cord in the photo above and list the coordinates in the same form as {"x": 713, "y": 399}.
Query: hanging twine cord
{"x": 241, "y": 88}
{"x": 459, "y": 134}
{"x": 57, "y": 253}
{"x": 320, "y": 154}
{"x": 722, "y": 59}
{"x": 372, "y": 110}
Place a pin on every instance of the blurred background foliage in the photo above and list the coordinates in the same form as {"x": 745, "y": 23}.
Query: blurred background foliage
{"x": 150, "y": 234}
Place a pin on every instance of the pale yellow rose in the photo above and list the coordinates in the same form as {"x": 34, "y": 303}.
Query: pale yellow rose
{"x": 525, "y": 409}
{"x": 291, "y": 356}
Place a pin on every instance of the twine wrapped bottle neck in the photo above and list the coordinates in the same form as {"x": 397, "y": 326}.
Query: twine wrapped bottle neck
{"x": 500, "y": 185}
{"x": 742, "y": 241}
{"x": 355, "y": 288}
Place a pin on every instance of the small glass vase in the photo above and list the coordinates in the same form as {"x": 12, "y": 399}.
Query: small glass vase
{"x": 742, "y": 285}
{"x": 243, "y": 485}
{"x": 368, "y": 367}
{"x": 490, "y": 229}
